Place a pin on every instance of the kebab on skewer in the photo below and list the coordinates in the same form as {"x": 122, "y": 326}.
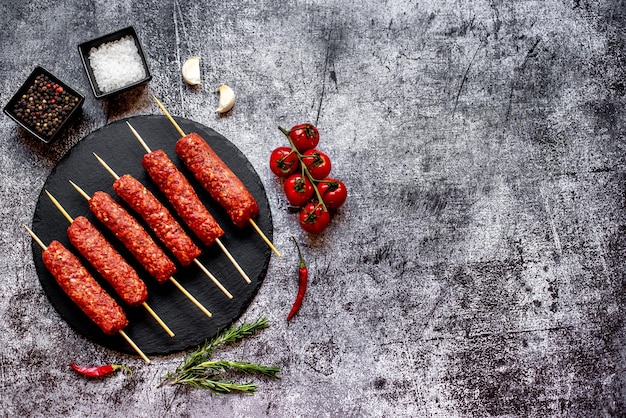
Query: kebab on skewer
{"x": 217, "y": 178}
{"x": 107, "y": 261}
{"x": 180, "y": 193}
{"x": 136, "y": 239}
{"x": 160, "y": 220}
{"x": 80, "y": 286}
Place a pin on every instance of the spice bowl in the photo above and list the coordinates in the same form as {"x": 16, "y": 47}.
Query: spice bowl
{"x": 114, "y": 62}
{"x": 44, "y": 105}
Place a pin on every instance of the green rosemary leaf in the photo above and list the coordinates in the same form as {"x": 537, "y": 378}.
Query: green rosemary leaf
{"x": 218, "y": 386}
{"x": 240, "y": 366}
{"x": 198, "y": 371}
{"x": 234, "y": 334}
{"x": 237, "y": 333}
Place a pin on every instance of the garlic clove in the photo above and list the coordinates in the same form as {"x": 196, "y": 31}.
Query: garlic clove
{"x": 227, "y": 99}
{"x": 191, "y": 71}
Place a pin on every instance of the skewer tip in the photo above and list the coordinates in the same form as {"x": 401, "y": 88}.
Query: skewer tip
{"x": 106, "y": 166}
{"x": 59, "y": 207}
{"x": 36, "y": 238}
{"x": 80, "y": 190}
{"x": 139, "y": 138}
{"x": 168, "y": 116}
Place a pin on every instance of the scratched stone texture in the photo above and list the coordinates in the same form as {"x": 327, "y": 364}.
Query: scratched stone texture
{"x": 477, "y": 268}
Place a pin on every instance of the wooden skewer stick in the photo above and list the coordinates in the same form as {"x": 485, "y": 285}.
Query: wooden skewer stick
{"x": 158, "y": 319}
{"x": 36, "y": 238}
{"x": 264, "y": 238}
{"x": 233, "y": 261}
{"x": 121, "y": 332}
{"x": 182, "y": 133}
{"x": 132, "y": 344}
{"x": 139, "y": 138}
{"x": 168, "y": 116}
{"x": 144, "y": 304}
{"x": 190, "y": 297}
{"x": 196, "y": 261}
{"x": 171, "y": 279}
{"x": 80, "y": 190}
{"x": 213, "y": 278}
{"x": 217, "y": 240}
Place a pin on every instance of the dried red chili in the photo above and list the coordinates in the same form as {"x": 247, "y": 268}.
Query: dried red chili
{"x": 303, "y": 273}
{"x": 98, "y": 371}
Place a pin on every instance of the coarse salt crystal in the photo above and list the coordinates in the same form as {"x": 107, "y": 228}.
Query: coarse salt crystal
{"x": 116, "y": 64}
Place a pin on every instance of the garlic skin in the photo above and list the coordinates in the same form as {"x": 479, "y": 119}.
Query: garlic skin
{"x": 191, "y": 71}
{"x": 227, "y": 99}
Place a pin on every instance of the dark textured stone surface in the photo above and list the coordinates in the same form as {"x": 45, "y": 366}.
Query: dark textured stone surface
{"x": 477, "y": 267}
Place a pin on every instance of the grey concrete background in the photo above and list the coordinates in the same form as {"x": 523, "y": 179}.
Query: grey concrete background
{"x": 477, "y": 268}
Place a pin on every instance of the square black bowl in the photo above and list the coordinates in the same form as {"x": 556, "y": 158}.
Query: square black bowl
{"x": 85, "y": 48}
{"x": 27, "y": 106}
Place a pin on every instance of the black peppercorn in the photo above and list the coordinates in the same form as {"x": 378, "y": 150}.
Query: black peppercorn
{"x": 45, "y": 106}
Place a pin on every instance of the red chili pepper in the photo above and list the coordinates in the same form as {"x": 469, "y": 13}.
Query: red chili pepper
{"x": 98, "y": 371}
{"x": 302, "y": 282}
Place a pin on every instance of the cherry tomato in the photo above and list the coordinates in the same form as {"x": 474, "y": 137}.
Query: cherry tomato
{"x": 317, "y": 163}
{"x": 298, "y": 189}
{"x": 313, "y": 218}
{"x": 333, "y": 192}
{"x": 304, "y": 136}
{"x": 284, "y": 162}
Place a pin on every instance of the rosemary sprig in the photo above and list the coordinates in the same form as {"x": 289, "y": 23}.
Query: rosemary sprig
{"x": 238, "y": 333}
{"x": 241, "y": 366}
{"x": 218, "y": 386}
{"x": 198, "y": 371}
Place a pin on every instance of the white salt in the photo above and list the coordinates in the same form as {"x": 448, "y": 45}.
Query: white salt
{"x": 116, "y": 64}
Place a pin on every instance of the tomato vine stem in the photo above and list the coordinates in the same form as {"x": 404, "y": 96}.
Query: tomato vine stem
{"x": 305, "y": 170}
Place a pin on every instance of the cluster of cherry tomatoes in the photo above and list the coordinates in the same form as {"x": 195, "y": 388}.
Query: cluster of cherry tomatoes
{"x": 306, "y": 170}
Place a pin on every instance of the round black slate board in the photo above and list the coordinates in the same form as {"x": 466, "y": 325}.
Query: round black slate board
{"x": 117, "y": 146}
